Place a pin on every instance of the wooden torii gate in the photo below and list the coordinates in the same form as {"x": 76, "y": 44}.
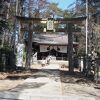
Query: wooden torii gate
{"x": 68, "y": 29}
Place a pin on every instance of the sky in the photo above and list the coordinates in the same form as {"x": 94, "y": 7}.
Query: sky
{"x": 63, "y": 3}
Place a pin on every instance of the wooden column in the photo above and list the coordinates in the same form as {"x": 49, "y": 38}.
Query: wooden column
{"x": 70, "y": 47}
{"x": 29, "y": 46}
{"x": 30, "y": 38}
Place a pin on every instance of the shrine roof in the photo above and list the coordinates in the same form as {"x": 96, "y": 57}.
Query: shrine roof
{"x": 51, "y": 39}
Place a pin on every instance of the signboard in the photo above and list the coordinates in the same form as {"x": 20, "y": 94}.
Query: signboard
{"x": 50, "y": 25}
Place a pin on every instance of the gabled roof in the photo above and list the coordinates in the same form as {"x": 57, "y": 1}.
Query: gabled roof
{"x": 51, "y": 39}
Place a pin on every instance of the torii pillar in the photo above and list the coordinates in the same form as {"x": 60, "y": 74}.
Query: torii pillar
{"x": 29, "y": 46}
{"x": 70, "y": 47}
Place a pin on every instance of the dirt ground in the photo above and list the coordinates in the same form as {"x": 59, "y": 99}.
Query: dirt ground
{"x": 80, "y": 86}
{"x": 9, "y": 80}
{"x": 9, "y": 84}
{"x": 71, "y": 84}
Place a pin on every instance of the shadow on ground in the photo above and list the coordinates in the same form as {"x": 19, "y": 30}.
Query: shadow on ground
{"x": 65, "y": 76}
{"x": 76, "y": 77}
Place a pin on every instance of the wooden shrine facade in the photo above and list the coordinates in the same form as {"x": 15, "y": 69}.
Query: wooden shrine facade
{"x": 50, "y": 44}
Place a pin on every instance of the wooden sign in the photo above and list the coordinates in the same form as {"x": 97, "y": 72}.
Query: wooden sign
{"x": 50, "y": 25}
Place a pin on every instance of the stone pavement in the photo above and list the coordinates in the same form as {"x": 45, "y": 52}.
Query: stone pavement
{"x": 43, "y": 85}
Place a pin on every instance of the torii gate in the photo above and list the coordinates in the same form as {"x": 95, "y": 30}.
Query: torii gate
{"x": 68, "y": 21}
